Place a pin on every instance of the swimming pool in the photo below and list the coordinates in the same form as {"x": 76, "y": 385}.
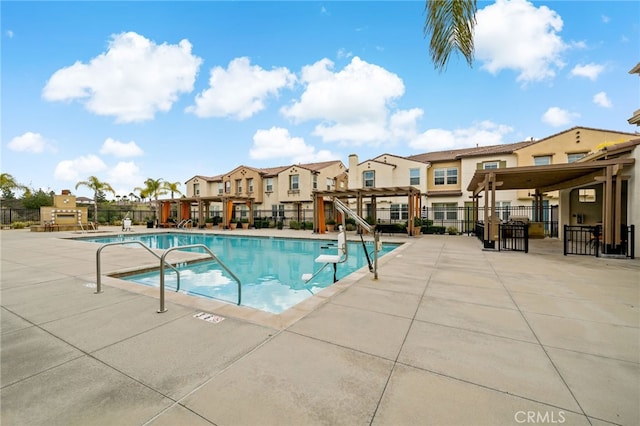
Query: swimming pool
{"x": 269, "y": 268}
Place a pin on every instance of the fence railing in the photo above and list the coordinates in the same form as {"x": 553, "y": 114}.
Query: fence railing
{"x": 513, "y": 237}
{"x": 581, "y": 240}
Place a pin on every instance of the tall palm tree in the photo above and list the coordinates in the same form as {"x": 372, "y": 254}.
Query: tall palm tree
{"x": 97, "y": 186}
{"x": 450, "y": 24}
{"x": 153, "y": 188}
{"x": 172, "y": 187}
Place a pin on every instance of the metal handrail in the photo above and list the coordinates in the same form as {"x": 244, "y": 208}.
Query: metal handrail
{"x": 213, "y": 256}
{"x": 183, "y": 223}
{"x": 98, "y": 283}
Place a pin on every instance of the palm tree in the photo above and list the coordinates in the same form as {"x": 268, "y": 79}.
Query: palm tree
{"x": 97, "y": 186}
{"x": 8, "y": 183}
{"x": 172, "y": 187}
{"x": 449, "y": 24}
{"x": 153, "y": 188}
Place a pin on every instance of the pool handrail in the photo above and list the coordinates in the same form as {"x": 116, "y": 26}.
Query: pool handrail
{"x": 213, "y": 256}
{"x": 99, "y": 284}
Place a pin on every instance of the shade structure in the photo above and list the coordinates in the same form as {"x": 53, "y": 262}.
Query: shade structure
{"x": 165, "y": 211}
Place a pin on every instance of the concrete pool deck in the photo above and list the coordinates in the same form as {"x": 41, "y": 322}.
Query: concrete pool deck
{"x": 448, "y": 335}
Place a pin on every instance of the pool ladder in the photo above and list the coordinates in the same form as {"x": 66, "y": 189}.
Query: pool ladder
{"x": 164, "y": 262}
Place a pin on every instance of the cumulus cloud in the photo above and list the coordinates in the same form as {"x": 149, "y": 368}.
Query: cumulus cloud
{"x": 602, "y": 99}
{"x": 478, "y": 134}
{"x": 31, "y": 142}
{"x": 79, "y": 168}
{"x": 350, "y": 111}
{"x": 557, "y": 117}
{"x": 124, "y": 176}
{"x": 241, "y": 90}
{"x": 132, "y": 81}
{"x": 516, "y": 35}
{"x": 120, "y": 149}
{"x": 590, "y": 71}
{"x": 278, "y": 143}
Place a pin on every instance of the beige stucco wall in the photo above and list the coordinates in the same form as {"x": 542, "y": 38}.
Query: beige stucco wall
{"x": 633, "y": 194}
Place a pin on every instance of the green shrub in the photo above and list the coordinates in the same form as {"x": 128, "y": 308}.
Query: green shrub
{"x": 18, "y": 225}
{"x": 307, "y": 225}
{"x": 294, "y": 224}
{"x": 452, "y": 230}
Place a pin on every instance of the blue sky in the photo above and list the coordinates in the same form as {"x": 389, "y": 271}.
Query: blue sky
{"x": 130, "y": 90}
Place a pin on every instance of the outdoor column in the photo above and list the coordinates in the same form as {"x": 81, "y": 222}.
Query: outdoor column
{"x": 607, "y": 219}
{"x": 410, "y": 221}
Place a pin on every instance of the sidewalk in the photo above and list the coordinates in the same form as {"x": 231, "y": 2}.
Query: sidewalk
{"x": 448, "y": 335}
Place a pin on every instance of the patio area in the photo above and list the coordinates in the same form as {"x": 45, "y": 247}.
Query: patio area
{"x": 449, "y": 334}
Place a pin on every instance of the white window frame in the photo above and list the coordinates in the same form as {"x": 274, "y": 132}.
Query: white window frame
{"x": 294, "y": 182}
{"x": 491, "y": 165}
{"x": 268, "y": 183}
{"x": 542, "y": 160}
{"x": 371, "y": 180}
{"x": 414, "y": 176}
{"x": 445, "y": 211}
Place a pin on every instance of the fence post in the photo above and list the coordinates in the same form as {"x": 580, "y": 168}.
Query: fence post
{"x": 564, "y": 239}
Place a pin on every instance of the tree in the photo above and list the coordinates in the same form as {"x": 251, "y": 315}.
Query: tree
{"x": 98, "y": 187}
{"x": 449, "y": 25}
{"x": 172, "y": 187}
{"x": 37, "y": 199}
{"x": 153, "y": 188}
{"x": 8, "y": 184}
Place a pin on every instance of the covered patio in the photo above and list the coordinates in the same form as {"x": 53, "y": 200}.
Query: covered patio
{"x": 203, "y": 207}
{"x": 610, "y": 173}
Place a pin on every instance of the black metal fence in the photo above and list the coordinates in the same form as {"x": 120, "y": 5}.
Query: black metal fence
{"x": 513, "y": 237}
{"x": 11, "y": 215}
{"x": 587, "y": 240}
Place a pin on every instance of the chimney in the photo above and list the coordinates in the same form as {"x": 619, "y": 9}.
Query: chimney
{"x": 354, "y": 173}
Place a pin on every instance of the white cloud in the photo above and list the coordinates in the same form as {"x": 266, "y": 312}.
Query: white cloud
{"x": 590, "y": 71}
{"x": 31, "y": 142}
{"x": 124, "y": 176}
{"x": 557, "y": 117}
{"x": 240, "y": 91}
{"x": 10, "y": 33}
{"x": 602, "y": 99}
{"x": 120, "y": 149}
{"x": 517, "y": 35}
{"x": 278, "y": 143}
{"x": 605, "y": 19}
{"x": 79, "y": 168}
{"x": 342, "y": 53}
{"x": 478, "y": 134}
{"x": 132, "y": 81}
{"x": 351, "y": 111}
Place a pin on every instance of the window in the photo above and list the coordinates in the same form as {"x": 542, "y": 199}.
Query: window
{"x": 330, "y": 184}
{"x": 414, "y": 176}
{"x": 445, "y": 211}
{"x": 220, "y": 188}
{"x": 490, "y": 165}
{"x": 399, "y": 211}
{"x": 238, "y": 186}
{"x": 250, "y": 185}
{"x": 575, "y": 156}
{"x": 315, "y": 182}
{"x": 227, "y": 187}
{"x": 369, "y": 179}
{"x": 504, "y": 209}
{"x": 277, "y": 210}
{"x": 542, "y": 160}
{"x": 196, "y": 189}
{"x": 587, "y": 195}
{"x": 294, "y": 182}
{"x": 449, "y": 175}
{"x": 269, "y": 185}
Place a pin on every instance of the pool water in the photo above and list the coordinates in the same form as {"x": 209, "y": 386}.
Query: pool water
{"x": 270, "y": 269}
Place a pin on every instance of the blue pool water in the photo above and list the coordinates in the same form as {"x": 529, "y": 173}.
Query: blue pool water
{"x": 270, "y": 269}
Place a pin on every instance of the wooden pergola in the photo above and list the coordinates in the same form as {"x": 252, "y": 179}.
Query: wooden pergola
{"x": 555, "y": 177}
{"x": 203, "y": 204}
{"x": 360, "y": 194}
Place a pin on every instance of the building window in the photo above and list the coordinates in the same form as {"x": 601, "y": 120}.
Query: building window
{"x": 414, "y": 176}
{"x": 490, "y": 165}
{"x": 330, "y": 184}
{"x": 542, "y": 160}
{"x": 315, "y": 182}
{"x": 587, "y": 195}
{"x": 571, "y": 158}
{"x": 269, "y": 185}
{"x": 504, "y": 209}
{"x": 250, "y": 185}
{"x": 196, "y": 189}
{"x": 238, "y": 186}
{"x": 445, "y": 211}
{"x": 227, "y": 187}
{"x": 369, "y": 179}
{"x": 399, "y": 211}
{"x": 294, "y": 184}
{"x": 277, "y": 210}
{"x": 220, "y": 188}
{"x": 447, "y": 176}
